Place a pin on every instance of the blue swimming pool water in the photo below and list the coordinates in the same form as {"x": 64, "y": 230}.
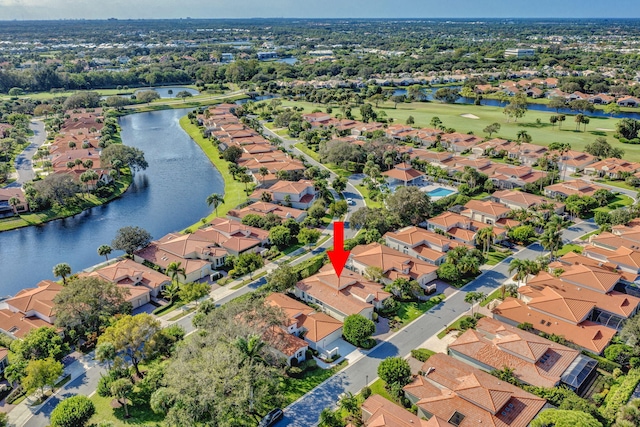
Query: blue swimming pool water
{"x": 440, "y": 192}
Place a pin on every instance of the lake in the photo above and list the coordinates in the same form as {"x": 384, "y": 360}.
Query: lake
{"x": 169, "y": 196}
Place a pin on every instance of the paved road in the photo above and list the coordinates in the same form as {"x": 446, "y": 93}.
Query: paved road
{"x": 23, "y": 164}
{"x": 350, "y": 192}
{"x": 305, "y": 412}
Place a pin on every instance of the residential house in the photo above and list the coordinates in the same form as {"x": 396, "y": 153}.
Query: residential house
{"x": 380, "y": 412}
{"x": 577, "y": 96}
{"x": 613, "y": 168}
{"x": 486, "y": 211}
{"x": 573, "y": 161}
{"x": 586, "y": 317}
{"x": 132, "y": 274}
{"x": 264, "y": 208}
{"x": 493, "y": 345}
{"x": 31, "y": 308}
{"x": 300, "y": 194}
{"x": 394, "y": 264}
{"x": 286, "y": 346}
{"x": 466, "y": 396}
{"x": 534, "y": 92}
{"x": 628, "y": 101}
{"x": 318, "y": 329}
{"x": 521, "y": 200}
{"x": 6, "y": 207}
{"x": 459, "y": 142}
{"x": 4, "y": 359}
{"x": 601, "y": 98}
{"x": 565, "y": 189}
{"x": 422, "y": 244}
{"x": 341, "y": 296}
{"x": 317, "y": 119}
{"x": 509, "y": 177}
{"x": 367, "y": 128}
{"x": 461, "y": 228}
{"x": 403, "y": 173}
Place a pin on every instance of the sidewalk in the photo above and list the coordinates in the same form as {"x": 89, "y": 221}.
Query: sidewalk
{"x": 23, "y": 411}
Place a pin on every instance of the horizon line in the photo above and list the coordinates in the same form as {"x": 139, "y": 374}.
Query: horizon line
{"x": 320, "y": 18}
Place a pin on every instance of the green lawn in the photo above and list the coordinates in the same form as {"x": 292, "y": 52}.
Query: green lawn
{"x": 246, "y": 282}
{"x": 233, "y": 190}
{"x": 377, "y": 387}
{"x": 569, "y": 248}
{"x": 139, "y": 415}
{"x": 494, "y": 257}
{"x": 619, "y": 201}
{"x": 365, "y": 194}
{"x": 292, "y": 389}
{"x": 409, "y": 311}
{"x": 493, "y": 295}
{"x": 455, "y": 326}
{"x": 542, "y": 133}
{"x": 306, "y": 150}
{"x": 586, "y": 236}
{"x": 82, "y": 203}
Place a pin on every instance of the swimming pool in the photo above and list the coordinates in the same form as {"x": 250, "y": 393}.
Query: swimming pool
{"x": 440, "y": 192}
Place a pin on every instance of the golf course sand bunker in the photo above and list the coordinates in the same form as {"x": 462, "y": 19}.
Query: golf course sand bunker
{"x": 605, "y": 130}
{"x": 469, "y": 116}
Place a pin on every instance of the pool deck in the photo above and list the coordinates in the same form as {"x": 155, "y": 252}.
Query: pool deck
{"x": 434, "y": 187}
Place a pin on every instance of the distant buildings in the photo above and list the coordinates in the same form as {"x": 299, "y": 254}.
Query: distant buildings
{"x": 519, "y": 53}
{"x": 266, "y": 55}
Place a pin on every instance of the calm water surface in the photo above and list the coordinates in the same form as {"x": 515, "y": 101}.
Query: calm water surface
{"x": 169, "y": 196}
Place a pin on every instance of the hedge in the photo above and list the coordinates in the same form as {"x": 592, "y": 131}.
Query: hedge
{"x": 603, "y": 363}
{"x": 619, "y": 394}
{"x": 422, "y": 354}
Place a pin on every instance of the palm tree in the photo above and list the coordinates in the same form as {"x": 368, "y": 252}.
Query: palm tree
{"x": 551, "y": 240}
{"x": 62, "y": 270}
{"x": 349, "y": 403}
{"x": 14, "y": 202}
{"x": 469, "y": 264}
{"x": 263, "y": 172}
{"x": 174, "y": 270}
{"x": 105, "y": 250}
{"x": 246, "y": 178}
{"x": 484, "y": 237}
{"x": 328, "y": 418}
{"x": 171, "y": 291}
{"x": 522, "y": 267}
{"x": 473, "y": 297}
{"x": 250, "y": 347}
{"x": 215, "y": 200}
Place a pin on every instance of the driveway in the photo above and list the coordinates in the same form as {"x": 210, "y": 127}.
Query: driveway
{"x": 305, "y": 411}
{"x": 24, "y": 165}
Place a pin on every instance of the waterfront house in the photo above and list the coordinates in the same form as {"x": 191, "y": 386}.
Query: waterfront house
{"x": 297, "y": 194}
{"x": 6, "y": 206}
{"x": 264, "y": 208}
{"x": 130, "y": 273}
{"x": 31, "y": 308}
{"x": 628, "y": 101}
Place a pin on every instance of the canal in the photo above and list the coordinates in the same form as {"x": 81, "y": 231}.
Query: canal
{"x": 169, "y": 196}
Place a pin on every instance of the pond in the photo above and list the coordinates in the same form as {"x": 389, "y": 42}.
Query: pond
{"x": 169, "y": 196}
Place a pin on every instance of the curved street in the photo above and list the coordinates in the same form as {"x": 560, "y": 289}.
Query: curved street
{"x": 23, "y": 163}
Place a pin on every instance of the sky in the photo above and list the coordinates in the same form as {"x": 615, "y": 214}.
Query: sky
{"x": 153, "y": 9}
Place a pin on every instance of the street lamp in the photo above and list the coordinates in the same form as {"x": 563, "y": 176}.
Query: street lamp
{"x": 366, "y": 383}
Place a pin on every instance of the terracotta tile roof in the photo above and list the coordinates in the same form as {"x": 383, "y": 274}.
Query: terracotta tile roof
{"x": 292, "y": 187}
{"x": 127, "y": 269}
{"x": 17, "y": 324}
{"x": 588, "y": 335}
{"x": 486, "y": 207}
{"x": 345, "y": 294}
{"x": 285, "y": 343}
{"x": 625, "y": 256}
{"x": 576, "y": 186}
{"x": 4, "y": 352}
{"x": 391, "y": 260}
{"x": 414, "y": 236}
{"x": 402, "y": 174}
{"x": 479, "y": 397}
{"x": 521, "y": 198}
{"x": 596, "y": 278}
{"x": 264, "y": 208}
{"x": 317, "y": 325}
{"x": 383, "y": 413}
{"x": 496, "y": 344}
{"x": 39, "y": 299}
{"x": 449, "y": 220}
{"x": 577, "y": 297}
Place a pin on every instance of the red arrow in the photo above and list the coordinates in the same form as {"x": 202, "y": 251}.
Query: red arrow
{"x": 338, "y": 256}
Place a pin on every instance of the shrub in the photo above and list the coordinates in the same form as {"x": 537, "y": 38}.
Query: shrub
{"x": 294, "y": 372}
{"x": 619, "y": 353}
{"x": 422, "y": 354}
{"x": 604, "y": 364}
{"x": 365, "y": 392}
{"x": 309, "y": 365}
{"x": 358, "y": 329}
{"x": 72, "y": 412}
{"x": 620, "y": 394}
{"x": 394, "y": 370}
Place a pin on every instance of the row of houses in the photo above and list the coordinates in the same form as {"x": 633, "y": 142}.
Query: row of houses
{"x": 33, "y": 308}
{"x": 455, "y": 388}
